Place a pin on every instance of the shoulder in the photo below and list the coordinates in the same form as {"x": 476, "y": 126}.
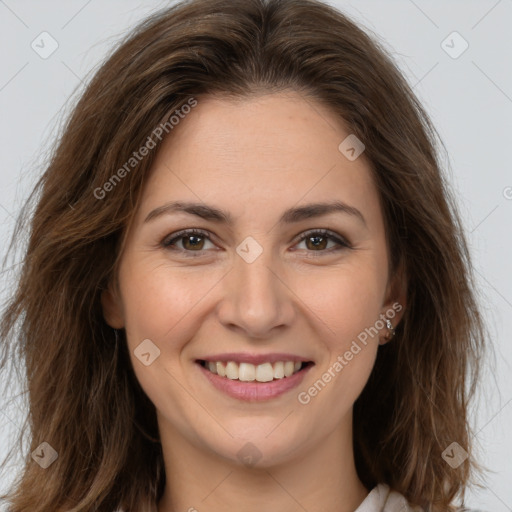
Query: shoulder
{"x": 384, "y": 499}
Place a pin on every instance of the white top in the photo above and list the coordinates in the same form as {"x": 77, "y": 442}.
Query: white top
{"x": 380, "y": 499}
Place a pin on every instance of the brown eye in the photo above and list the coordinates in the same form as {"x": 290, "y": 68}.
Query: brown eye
{"x": 317, "y": 241}
{"x": 192, "y": 240}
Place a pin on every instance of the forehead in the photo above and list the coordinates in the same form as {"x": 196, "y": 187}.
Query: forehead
{"x": 258, "y": 154}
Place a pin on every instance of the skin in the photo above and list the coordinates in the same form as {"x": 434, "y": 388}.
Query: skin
{"x": 255, "y": 158}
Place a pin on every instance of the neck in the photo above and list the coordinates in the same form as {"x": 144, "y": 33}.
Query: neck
{"x": 321, "y": 478}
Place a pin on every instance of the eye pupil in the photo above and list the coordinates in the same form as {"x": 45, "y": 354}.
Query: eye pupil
{"x": 317, "y": 244}
{"x": 186, "y": 241}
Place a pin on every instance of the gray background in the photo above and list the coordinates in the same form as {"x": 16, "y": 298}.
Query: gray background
{"x": 469, "y": 99}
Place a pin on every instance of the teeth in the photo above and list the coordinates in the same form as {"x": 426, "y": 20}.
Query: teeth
{"x": 221, "y": 369}
{"x": 289, "y": 366}
{"x": 232, "y": 370}
{"x": 247, "y": 372}
{"x": 264, "y": 372}
{"x": 278, "y": 370}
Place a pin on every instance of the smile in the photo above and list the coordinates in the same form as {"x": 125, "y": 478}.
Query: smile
{"x": 254, "y": 382}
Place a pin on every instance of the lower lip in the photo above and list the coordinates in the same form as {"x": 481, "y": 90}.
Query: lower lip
{"x": 254, "y": 391}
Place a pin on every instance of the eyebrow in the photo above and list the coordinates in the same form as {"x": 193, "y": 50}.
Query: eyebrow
{"x": 290, "y": 216}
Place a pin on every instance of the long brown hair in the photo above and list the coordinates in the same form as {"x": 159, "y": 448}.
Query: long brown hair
{"x": 84, "y": 399}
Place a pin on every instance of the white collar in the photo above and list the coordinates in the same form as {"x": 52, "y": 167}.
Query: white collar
{"x": 382, "y": 499}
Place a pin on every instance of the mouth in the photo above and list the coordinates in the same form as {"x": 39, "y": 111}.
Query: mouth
{"x": 254, "y": 382}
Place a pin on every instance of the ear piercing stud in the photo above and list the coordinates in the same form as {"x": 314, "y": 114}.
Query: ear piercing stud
{"x": 391, "y": 329}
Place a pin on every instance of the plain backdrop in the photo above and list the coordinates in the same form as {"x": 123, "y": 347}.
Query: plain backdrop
{"x": 464, "y": 81}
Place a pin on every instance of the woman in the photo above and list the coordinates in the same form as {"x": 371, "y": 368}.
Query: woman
{"x": 246, "y": 282}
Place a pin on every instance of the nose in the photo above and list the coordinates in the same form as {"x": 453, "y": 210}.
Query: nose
{"x": 257, "y": 301}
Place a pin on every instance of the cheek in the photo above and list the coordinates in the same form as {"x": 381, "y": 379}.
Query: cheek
{"x": 158, "y": 300}
{"x": 348, "y": 311}
{"x": 346, "y": 301}
{"x": 165, "y": 304}
{"x": 158, "y": 305}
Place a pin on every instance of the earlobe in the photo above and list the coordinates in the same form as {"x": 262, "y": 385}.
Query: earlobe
{"x": 394, "y": 307}
{"x": 112, "y": 311}
{"x": 390, "y": 319}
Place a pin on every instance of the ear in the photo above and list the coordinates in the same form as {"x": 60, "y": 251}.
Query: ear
{"x": 112, "y": 307}
{"x": 395, "y": 302}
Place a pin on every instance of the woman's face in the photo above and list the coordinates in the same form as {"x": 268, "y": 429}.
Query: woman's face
{"x": 245, "y": 289}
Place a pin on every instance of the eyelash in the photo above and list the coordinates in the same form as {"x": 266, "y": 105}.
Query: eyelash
{"x": 167, "y": 243}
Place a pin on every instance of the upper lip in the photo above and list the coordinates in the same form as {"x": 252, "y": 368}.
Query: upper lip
{"x": 245, "y": 357}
